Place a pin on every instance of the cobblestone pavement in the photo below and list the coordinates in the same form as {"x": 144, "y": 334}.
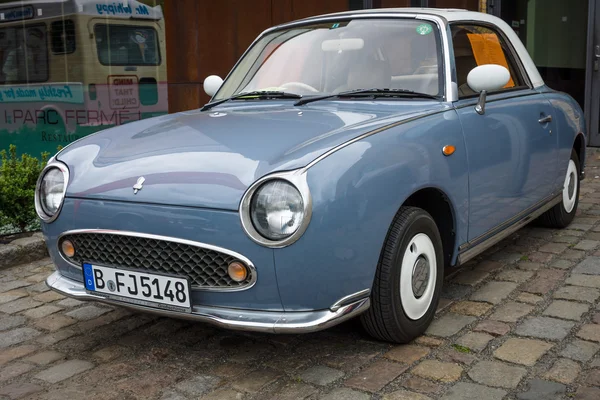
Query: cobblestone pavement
{"x": 522, "y": 322}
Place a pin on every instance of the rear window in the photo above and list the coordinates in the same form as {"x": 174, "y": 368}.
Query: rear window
{"x": 127, "y": 45}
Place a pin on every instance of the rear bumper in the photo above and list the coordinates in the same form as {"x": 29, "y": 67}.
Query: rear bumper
{"x": 249, "y": 320}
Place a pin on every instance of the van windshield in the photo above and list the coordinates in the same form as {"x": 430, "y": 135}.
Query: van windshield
{"x": 126, "y": 45}
{"x": 333, "y": 57}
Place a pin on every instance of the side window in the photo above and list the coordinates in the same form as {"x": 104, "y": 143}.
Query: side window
{"x": 478, "y": 45}
{"x": 63, "y": 37}
{"x": 24, "y": 54}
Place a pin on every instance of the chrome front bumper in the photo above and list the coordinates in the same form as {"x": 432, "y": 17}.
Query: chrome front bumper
{"x": 248, "y": 320}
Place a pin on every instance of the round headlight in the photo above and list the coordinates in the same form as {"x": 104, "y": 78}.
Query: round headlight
{"x": 50, "y": 192}
{"x": 277, "y": 209}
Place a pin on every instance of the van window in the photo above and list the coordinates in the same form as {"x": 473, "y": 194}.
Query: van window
{"x": 23, "y": 54}
{"x": 63, "y": 37}
{"x": 127, "y": 45}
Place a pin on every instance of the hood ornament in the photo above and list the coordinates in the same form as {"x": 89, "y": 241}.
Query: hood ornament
{"x": 139, "y": 185}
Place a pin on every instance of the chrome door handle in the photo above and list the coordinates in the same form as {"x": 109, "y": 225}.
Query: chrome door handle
{"x": 545, "y": 120}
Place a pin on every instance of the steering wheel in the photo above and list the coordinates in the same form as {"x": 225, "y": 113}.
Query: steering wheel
{"x": 300, "y": 86}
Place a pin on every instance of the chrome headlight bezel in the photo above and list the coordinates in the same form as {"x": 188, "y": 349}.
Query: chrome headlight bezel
{"x": 297, "y": 179}
{"x": 52, "y": 164}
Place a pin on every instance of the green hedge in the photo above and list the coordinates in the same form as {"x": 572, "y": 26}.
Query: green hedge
{"x": 18, "y": 177}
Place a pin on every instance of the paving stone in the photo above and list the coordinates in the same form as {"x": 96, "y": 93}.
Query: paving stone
{"x": 45, "y": 357}
{"x": 10, "y": 322}
{"x": 474, "y": 308}
{"x": 69, "y": 303}
{"x": 19, "y": 305}
{"x": 321, "y": 375}
{"x": 589, "y": 266}
{"x": 293, "y": 391}
{"x": 12, "y": 296}
{"x": 566, "y": 310}
{"x": 443, "y": 304}
{"x": 489, "y": 266}
{"x": 439, "y": 371}
{"x": 345, "y": 394}
{"x": 48, "y": 297}
{"x": 563, "y": 371}
{"x": 540, "y": 257}
{"x": 588, "y": 332}
{"x": 530, "y": 298}
{"x": 506, "y": 257}
{"x": 64, "y": 371}
{"x": 476, "y": 341}
{"x": 20, "y": 390}
{"x": 584, "y": 280}
{"x": 587, "y": 245}
{"x": 455, "y": 292}
{"x": 429, "y": 341}
{"x": 574, "y": 255}
{"x": 55, "y": 337}
{"x": 456, "y": 355}
{"x": 495, "y": 328}
{"x": 88, "y": 312}
{"x": 561, "y": 264}
{"x": 256, "y": 380}
{"x": 540, "y": 285}
{"x": 471, "y": 391}
{"x": 522, "y": 351}
{"x": 529, "y": 266}
{"x": 376, "y": 376}
{"x": 16, "y": 284}
{"x": 494, "y": 373}
{"x": 13, "y": 353}
{"x": 407, "y": 353}
{"x": 566, "y": 239}
{"x": 578, "y": 293}
{"x": 448, "y": 325}
{"x": 580, "y": 350}
{"x": 110, "y": 353}
{"x": 421, "y": 385}
{"x": 15, "y": 336}
{"x": 587, "y": 393}
{"x": 54, "y": 322}
{"x": 470, "y": 277}
{"x": 405, "y": 395}
{"x": 554, "y": 248}
{"x": 545, "y": 328}
{"x": 198, "y": 385}
{"x": 13, "y": 370}
{"x": 514, "y": 275}
{"x": 570, "y": 232}
{"x": 593, "y": 377}
{"x": 541, "y": 389}
{"x": 42, "y": 311}
{"x": 494, "y": 292}
{"x": 511, "y": 312}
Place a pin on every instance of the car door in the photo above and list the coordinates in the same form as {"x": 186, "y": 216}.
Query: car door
{"x": 512, "y": 146}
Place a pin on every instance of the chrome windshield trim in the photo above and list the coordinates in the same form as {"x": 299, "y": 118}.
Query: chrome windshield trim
{"x": 230, "y": 318}
{"x": 298, "y": 179}
{"x": 247, "y": 261}
{"x": 62, "y": 167}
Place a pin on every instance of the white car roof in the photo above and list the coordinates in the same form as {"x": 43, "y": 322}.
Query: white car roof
{"x": 452, "y": 15}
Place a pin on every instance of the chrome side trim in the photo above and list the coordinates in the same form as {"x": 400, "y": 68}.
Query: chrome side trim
{"x": 169, "y": 239}
{"x": 473, "y": 248}
{"x": 350, "y": 299}
{"x": 38, "y": 206}
{"x": 370, "y": 133}
{"x": 249, "y": 320}
{"x": 298, "y": 179}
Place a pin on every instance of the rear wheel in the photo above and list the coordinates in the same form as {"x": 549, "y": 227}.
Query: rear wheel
{"x": 561, "y": 215}
{"x": 409, "y": 279}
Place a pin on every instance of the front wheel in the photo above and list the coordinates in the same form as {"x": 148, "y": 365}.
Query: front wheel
{"x": 409, "y": 279}
{"x": 561, "y": 215}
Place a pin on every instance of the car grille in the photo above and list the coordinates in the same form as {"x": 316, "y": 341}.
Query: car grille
{"x": 205, "y": 268}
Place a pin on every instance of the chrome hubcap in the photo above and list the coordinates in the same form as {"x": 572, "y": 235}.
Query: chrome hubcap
{"x": 420, "y": 277}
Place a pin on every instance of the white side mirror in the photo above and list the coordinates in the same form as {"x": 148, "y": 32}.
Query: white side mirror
{"x": 488, "y": 77}
{"x": 212, "y": 84}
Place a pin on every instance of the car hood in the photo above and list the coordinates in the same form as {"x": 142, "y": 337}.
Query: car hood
{"x": 208, "y": 159}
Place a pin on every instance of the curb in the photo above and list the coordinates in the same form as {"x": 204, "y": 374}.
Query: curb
{"x": 23, "y": 250}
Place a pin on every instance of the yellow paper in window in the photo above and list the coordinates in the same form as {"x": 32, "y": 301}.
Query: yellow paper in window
{"x": 487, "y": 50}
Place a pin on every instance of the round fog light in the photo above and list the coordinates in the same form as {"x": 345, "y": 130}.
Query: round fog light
{"x": 237, "y": 271}
{"x": 67, "y": 248}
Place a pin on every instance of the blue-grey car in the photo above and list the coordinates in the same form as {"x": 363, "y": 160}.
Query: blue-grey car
{"x": 345, "y": 161}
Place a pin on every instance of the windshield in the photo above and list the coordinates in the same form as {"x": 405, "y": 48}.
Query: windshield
{"x": 127, "y": 45}
{"x": 333, "y": 57}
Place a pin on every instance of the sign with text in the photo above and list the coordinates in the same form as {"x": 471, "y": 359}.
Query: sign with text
{"x": 16, "y": 13}
{"x": 50, "y": 92}
{"x": 124, "y": 91}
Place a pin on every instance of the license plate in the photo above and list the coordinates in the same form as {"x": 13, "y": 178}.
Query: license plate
{"x": 151, "y": 290}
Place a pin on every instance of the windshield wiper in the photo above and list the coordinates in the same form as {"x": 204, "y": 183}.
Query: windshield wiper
{"x": 260, "y": 94}
{"x": 372, "y": 93}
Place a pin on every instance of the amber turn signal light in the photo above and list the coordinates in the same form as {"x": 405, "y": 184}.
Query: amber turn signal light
{"x": 448, "y": 150}
{"x": 67, "y": 248}
{"x": 237, "y": 271}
